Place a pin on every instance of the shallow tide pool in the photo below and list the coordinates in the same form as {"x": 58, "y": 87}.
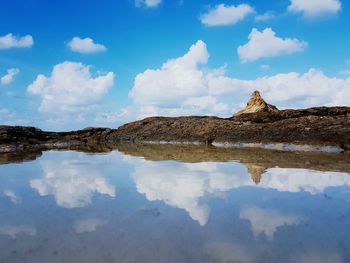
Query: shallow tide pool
{"x": 174, "y": 206}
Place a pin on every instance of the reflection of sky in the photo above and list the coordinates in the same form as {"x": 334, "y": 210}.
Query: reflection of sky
{"x": 12, "y": 196}
{"x": 14, "y": 230}
{"x": 71, "y": 183}
{"x": 266, "y": 221}
{"x": 221, "y": 215}
{"x": 88, "y": 225}
{"x": 235, "y": 252}
{"x": 183, "y": 185}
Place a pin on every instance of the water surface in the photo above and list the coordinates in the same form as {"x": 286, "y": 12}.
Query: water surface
{"x": 175, "y": 204}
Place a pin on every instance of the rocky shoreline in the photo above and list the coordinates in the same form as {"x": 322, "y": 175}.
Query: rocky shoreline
{"x": 309, "y": 129}
{"x": 258, "y": 125}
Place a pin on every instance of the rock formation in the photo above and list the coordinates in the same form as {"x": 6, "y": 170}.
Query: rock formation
{"x": 258, "y": 125}
{"x": 257, "y": 104}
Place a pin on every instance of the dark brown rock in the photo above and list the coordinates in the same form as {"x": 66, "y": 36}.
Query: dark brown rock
{"x": 257, "y": 161}
{"x": 323, "y": 126}
{"x": 315, "y": 126}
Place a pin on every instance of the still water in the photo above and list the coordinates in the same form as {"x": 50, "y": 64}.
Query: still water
{"x": 175, "y": 204}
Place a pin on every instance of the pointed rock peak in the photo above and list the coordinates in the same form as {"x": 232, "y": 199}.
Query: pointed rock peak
{"x": 256, "y": 172}
{"x": 255, "y": 95}
{"x": 257, "y": 104}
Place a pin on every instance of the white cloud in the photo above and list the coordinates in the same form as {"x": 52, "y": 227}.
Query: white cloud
{"x": 177, "y": 80}
{"x": 267, "y": 221}
{"x": 198, "y": 104}
{"x": 71, "y": 183}
{"x": 11, "y": 41}
{"x": 223, "y": 15}
{"x": 266, "y": 44}
{"x": 85, "y": 45}
{"x": 287, "y": 90}
{"x": 147, "y": 3}
{"x": 315, "y": 8}
{"x": 265, "y": 17}
{"x": 180, "y": 87}
{"x": 108, "y": 117}
{"x": 185, "y": 86}
{"x": 345, "y": 72}
{"x": 296, "y": 90}
{"x": 11, "y": 117}
{"x": 70, "y": 87}
{"x": 265, "y": 67}
{"x": 8, "y": 78}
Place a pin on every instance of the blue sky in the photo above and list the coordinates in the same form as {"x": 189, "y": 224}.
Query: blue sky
{"x": 71, "y": 64}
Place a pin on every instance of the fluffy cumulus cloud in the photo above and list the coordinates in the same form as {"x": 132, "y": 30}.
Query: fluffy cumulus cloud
{"x": 70, "y": 87}
{"x": 180, "y": 83}
{"x": 315, "y": 8}
{"x": 85, "y": 45}
{"x": 310, "y": 89}
{"x": 223, "y": 15}
{"x": 266, "y": 44}
{"x": 147, "y": 3}
{"x": 11, "y": 41}
{"x": 180, "y": 78}
{"x": 9, "y": 76}
{"x": 185, "y": 85}
{"x": 290, "y": 90}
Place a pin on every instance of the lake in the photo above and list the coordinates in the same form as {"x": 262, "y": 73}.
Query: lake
{"x": 169, "y": 203}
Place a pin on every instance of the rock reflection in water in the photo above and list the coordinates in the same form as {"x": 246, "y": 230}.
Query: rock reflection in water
{"x": 184, "y": 185}
{"x": 257, "y": 160}
{"x": 190, "y": 205}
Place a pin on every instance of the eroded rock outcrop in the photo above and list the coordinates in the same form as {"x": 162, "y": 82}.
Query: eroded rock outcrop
{"x": 258, "y": 125}
{"x": 257, "y": 104}
{"x": 323, "y": 126}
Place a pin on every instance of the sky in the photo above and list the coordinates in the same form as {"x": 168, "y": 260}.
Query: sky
{"x": 68, "y": 65}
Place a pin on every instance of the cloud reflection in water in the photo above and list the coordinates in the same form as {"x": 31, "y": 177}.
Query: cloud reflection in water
{"x": 71, "y": 183}
{"x": 183, "y": 185}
